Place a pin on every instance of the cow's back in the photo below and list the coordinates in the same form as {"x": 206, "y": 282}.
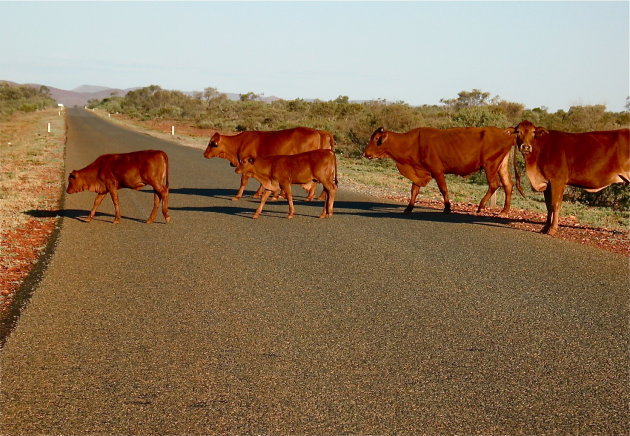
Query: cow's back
{"x": 132, "y": 169}
{"x": 462, "y": 150}
{"x": 302, "y": 166}
{"x": 280, "y": 142}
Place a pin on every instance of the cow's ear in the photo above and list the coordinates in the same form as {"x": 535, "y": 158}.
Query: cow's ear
{"x": 380, "y": 129}
{"x": 510, "y": 131}
{"x": 381, "y": 139}
{"x": 216, "y": 138}
{"x": 540, "y": 131}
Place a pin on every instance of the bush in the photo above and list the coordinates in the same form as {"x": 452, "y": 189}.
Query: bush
{"x": 23, "y": 98}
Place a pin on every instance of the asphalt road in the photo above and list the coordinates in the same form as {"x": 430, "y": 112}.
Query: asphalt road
{"x": 372, "y": 322}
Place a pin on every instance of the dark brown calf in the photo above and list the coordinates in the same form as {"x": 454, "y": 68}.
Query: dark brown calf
{"x": 111, "y": 172}
{"x": 280, "y": 172}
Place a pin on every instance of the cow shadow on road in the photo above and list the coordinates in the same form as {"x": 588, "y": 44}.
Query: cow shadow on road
{"x": 368, "y": 209}
{"x": 207, "y": 192}
{"x": 388, "y": 210}
{"x": 77, "y": 214}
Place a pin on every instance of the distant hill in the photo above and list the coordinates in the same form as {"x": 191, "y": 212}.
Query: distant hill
{"x": 80, "y": 95}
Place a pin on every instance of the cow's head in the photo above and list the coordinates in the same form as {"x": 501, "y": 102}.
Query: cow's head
{"x": 217, "y": 148}
{"x": 246, "y": 166}
{"x": 525, "y": 133}
{"x": 375, "y": 148}
{"x": 75, "y": 183}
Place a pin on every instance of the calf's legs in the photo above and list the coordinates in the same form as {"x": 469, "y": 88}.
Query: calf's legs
{"x": 159, "y": 193}
{"x": 97, "y": 203}
{"x": 331, "y": 191}
{"x": 263, "y": 200}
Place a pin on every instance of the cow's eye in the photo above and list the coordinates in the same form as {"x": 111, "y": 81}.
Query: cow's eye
{"x": 72, "y": 176}
{"x": 379, "y": 141}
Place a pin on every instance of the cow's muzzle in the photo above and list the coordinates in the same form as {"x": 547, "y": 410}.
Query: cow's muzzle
{"x": 525, "y": 148}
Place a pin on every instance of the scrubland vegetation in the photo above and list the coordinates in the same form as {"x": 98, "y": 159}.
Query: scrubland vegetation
{"x": 353, "y": 123}
{"x": 23, "y": 99}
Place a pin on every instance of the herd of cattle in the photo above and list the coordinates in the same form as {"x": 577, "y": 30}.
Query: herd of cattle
{"x": 305, "y": 156}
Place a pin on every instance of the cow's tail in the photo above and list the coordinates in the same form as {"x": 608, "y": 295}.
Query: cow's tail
{"x": 517, "y": 175}
{"x": 166, "y": 169}
{"x": 333, "y": 144}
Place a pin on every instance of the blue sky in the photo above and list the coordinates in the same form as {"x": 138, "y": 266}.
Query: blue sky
{"x": 553, "y": 54}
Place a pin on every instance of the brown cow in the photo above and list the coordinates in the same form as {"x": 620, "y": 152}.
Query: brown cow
{"x": 261, "y": 144}
{"x": 554, "y": 159}
{"x": 280, "y": 172}
{"x": 425, "y": 153}
{"x": 111, "y": 172}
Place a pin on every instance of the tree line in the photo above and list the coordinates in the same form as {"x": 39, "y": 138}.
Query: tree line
{"x": 23, "y": 98}
{"x": 352, "y": 123}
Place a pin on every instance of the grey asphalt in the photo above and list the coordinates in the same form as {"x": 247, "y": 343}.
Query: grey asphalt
{"x": 372, "y": 322}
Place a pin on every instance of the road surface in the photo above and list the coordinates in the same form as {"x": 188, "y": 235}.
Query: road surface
{"x": 372, "y": 322}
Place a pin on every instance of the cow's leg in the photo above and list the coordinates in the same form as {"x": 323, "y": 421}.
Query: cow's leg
{"x": 415, "y": 189}
{"x": 331, "y": 192}
{"x": 493, "y": 184}
{"x": 114, "y": 193}
{"x": 167, "y": 217}
{"x": 506, "y": 182}
{"x": 263, "y": 200}
{"x": 419, "y": 177}
{"x": 287, "y": 190}
{"x": 322, "y": 196}
{"x": 557, "y": 190}
{"x": 156, "y": 204}
{"x": 160, "y": 193}
{"x": 259, "y": 191}
{"x": 97, "y": 203}
{"x": 310, "y": 188}
{"x": 441, "y": 182}
{"x": 241, "y": 189}
{"x": 548, "y": 204}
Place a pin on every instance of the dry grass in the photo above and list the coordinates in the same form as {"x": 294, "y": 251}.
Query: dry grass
{"x": 31, "y": 171}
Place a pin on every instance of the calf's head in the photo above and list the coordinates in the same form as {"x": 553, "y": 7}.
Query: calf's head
{"x": 525, "y": 133}
{"x": 246, "y": 166}
{"x": 375, "y": 148}
{"x": 76, "y": 183}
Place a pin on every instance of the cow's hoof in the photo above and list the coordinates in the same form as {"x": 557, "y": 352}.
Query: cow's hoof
{"x": 552, "y": 231}
{"x": 167, "y": 219}
{"x": 255, "y": 216}
{"x": 447, "y": 209}
{"x": 236, "y": 198}
{"x": 88, "y": 219}
{"x": 116, "y": 222}
{"x": 503, "y": 214}
{"x": 289, "y": 217}
{"x": 407, "y": 211}
{"x": 150, "y": 221}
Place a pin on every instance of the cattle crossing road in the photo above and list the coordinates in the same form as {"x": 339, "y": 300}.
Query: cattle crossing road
{"x": 372, "y": 322}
